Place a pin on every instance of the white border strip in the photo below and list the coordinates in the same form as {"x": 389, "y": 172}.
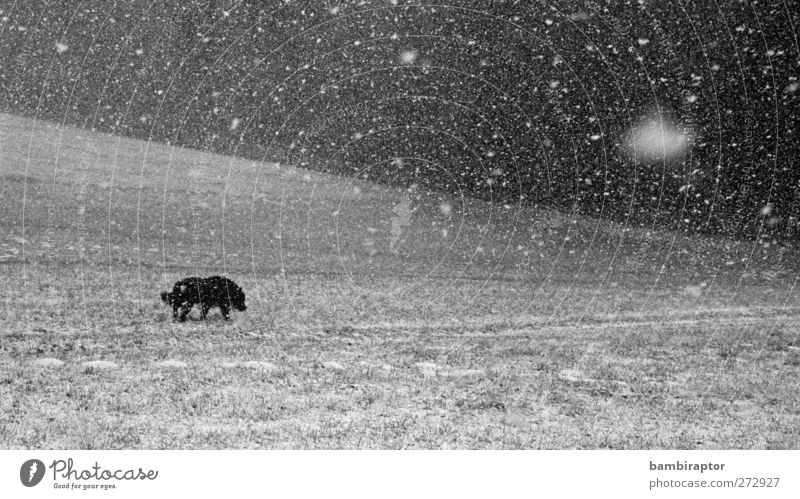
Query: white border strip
{"x": 381, "y": 474}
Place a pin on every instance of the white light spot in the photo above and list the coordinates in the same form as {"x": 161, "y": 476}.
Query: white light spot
{"x": 408, "y": 56}
{"x": 655, "y": 139}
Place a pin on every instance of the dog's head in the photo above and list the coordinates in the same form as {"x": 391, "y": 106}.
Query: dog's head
{"x": 235, "y": 295}
{"x": 237, "y": 300}
{"x": 166, "y": 297}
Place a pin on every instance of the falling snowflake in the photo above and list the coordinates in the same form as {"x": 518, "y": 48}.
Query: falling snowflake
{"x": 656, "y": 139}
{"x": 408, "y": 56}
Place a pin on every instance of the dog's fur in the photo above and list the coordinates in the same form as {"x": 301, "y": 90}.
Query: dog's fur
{"x": 209, "y": 292}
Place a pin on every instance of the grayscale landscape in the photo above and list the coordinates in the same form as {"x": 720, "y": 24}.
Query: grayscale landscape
{"x": 489, "y": 225}
{"x": 559, "y": 332}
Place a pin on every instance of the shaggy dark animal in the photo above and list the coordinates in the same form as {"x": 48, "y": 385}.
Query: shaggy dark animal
{"x": 214, "y": 291}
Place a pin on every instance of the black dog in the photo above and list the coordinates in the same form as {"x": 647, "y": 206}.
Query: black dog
{"x": 214, "y": 291}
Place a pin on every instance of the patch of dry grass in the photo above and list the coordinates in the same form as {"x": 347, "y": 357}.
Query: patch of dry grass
{"x": 609, "y": 385}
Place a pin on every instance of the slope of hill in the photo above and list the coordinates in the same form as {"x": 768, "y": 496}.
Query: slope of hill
{"x": 455, "y": 322}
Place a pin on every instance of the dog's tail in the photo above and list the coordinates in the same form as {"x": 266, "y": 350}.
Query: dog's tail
{"x": 166, "y": 297}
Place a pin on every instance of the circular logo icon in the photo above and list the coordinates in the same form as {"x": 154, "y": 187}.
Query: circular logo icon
{"x": 31, "y": 472}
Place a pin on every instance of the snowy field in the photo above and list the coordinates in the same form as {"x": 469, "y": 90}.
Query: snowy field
{"x": 377, "y": 317}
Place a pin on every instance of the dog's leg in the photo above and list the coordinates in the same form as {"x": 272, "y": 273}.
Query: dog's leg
{"x": 184, "y": 312}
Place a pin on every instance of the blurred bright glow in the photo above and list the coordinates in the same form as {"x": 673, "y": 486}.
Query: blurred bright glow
{"x": 656, "y": 138}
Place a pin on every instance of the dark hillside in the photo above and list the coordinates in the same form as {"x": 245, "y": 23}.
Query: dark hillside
{"x": 518, "y": 102}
